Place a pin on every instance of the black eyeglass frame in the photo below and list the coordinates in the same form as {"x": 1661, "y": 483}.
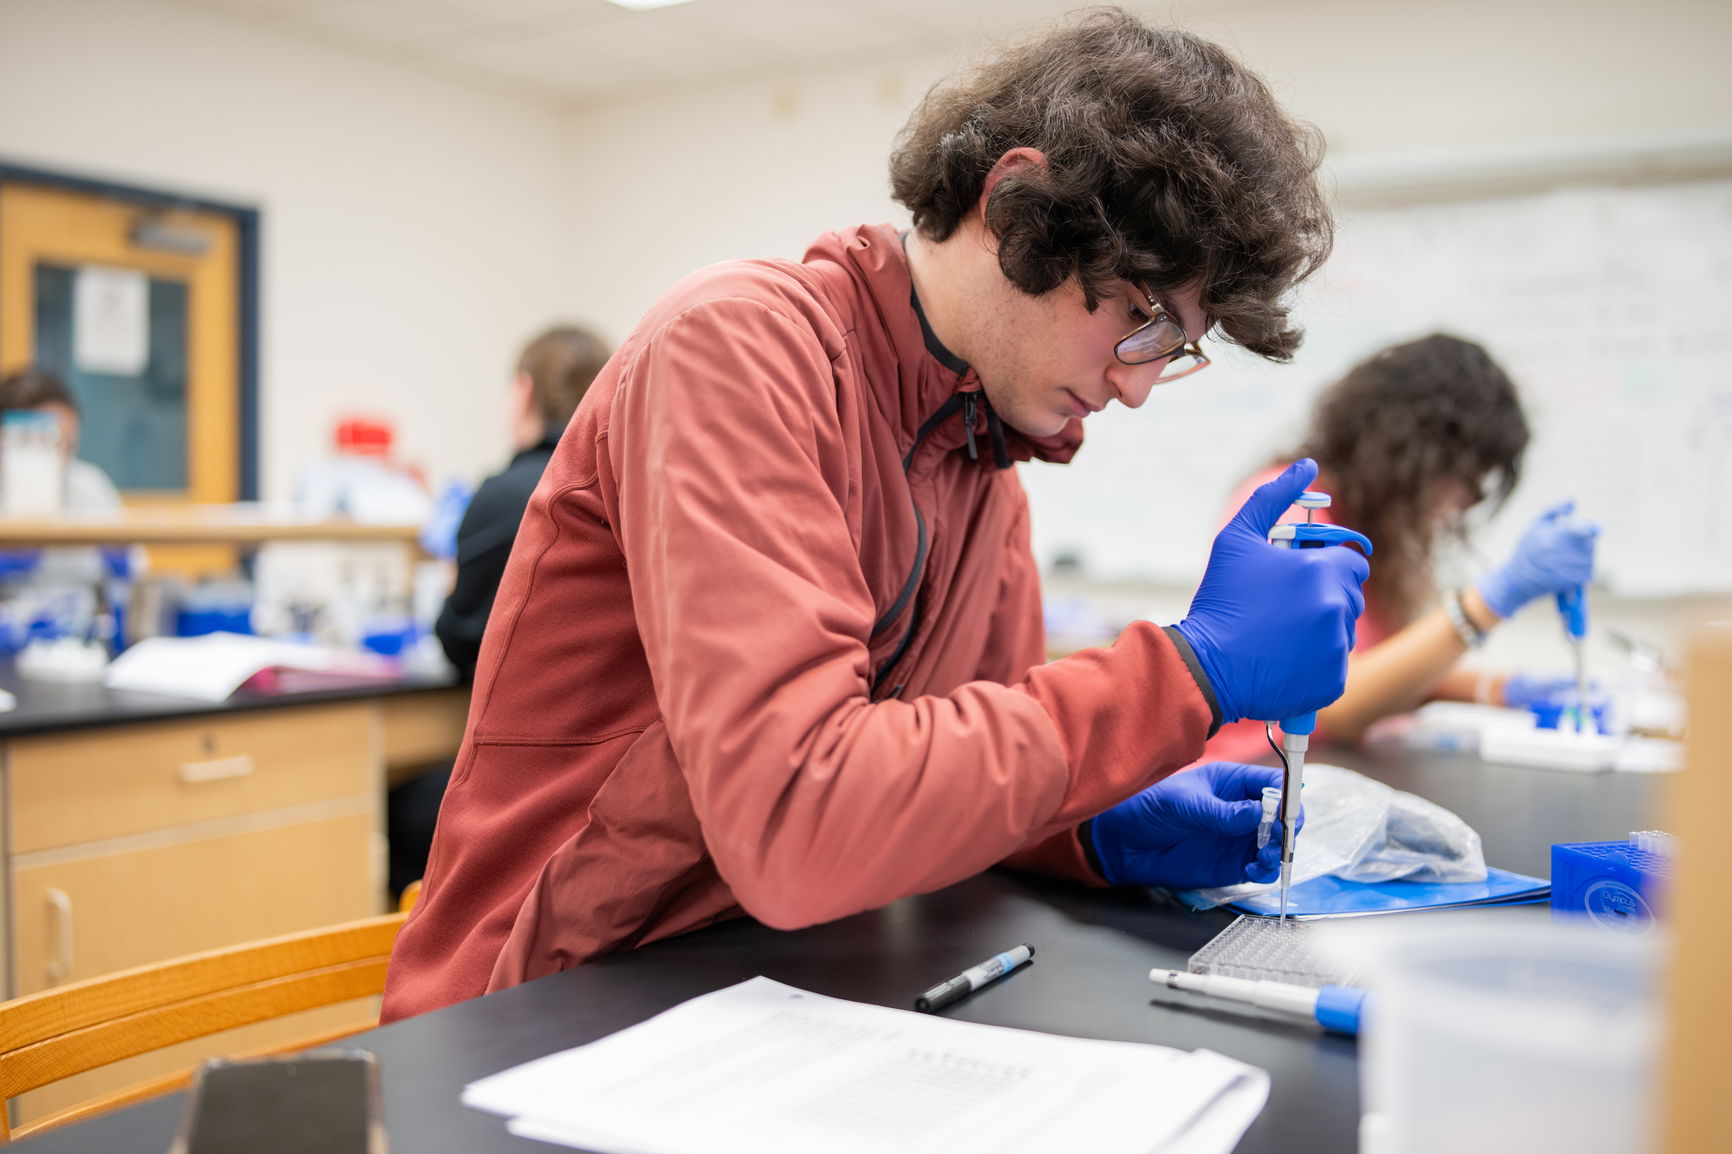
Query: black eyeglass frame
{"x": 1185, "y": 347}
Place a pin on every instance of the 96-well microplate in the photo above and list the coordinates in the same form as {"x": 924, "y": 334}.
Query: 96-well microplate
{"x": 1267, "y": 949}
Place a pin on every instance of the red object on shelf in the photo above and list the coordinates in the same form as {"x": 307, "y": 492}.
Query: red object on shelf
{"x": 365, "y": 436}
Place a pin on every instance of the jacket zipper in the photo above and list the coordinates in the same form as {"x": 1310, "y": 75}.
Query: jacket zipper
{"x": 966, "y": 402}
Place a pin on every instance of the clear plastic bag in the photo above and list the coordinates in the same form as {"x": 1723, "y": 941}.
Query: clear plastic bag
{"x": 1362, "y": 830}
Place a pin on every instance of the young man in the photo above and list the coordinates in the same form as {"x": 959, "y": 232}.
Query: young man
{"x": 769, "y": 640}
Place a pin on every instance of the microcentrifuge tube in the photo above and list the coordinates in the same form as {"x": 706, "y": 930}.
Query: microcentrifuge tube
{"x": 1271, "y": 807}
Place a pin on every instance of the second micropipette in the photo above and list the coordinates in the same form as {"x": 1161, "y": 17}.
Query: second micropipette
{"x": 1573, "y": 605}
{"x": 1335, "y": 1008}
{"x": 1296, "y": 731}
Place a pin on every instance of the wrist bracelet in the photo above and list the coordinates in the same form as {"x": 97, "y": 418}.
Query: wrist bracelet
{"x": 1466, "y": 630}
{"x": 1482, "y": 687}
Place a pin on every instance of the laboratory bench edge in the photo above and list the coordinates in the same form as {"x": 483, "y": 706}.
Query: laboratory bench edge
{"x": 1089, "y": 977}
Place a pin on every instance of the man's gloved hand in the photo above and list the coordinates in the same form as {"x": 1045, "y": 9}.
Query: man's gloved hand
{"x": 1194, "y": 830}
{"x": 1555, "y": 553}
{"x": 1272, "y": 627}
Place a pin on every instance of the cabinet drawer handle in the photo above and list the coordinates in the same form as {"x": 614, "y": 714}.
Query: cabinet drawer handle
{"x": 216, "y": 769}
{"x": 60, "y": 908}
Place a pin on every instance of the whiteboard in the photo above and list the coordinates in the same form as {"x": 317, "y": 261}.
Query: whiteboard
{"x": 1611, "y": 307}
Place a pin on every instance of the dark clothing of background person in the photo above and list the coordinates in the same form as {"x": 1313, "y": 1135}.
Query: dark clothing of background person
{"x": 484, "y": 539}
{"x": 483, "y": 544}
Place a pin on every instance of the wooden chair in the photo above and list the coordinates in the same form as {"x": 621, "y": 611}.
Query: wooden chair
{"x": 51, "y": 1035}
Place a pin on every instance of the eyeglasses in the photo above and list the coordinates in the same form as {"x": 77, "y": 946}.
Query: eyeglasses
{"x": 1161, "y": 337}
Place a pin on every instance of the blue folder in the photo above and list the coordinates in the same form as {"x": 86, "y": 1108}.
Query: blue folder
{"x": 1331, "y": 897}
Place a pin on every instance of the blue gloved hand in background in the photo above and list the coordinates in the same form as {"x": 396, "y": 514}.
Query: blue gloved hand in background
{"x": 1521, "y": 690}
{"x": 439, "y": 534}
{"x": 1194, "y": 830}
{"x": 1555, "y": 553}
{"x": 1272, "y": 627}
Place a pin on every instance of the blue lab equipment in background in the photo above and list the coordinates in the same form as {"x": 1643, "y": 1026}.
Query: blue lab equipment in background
{"x": 390, "y": 636}
{"x": 214, "y": 607}
{"x": 1550, "y": 712}
{"x": 1613, "y": 884}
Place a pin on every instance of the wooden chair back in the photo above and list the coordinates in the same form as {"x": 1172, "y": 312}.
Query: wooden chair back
{"x": 77, "y": 1027}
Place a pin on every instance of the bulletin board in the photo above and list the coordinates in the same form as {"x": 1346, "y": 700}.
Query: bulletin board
{"x": 1610, "y": 306}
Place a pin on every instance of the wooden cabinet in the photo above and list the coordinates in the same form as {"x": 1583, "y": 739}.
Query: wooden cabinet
{"x": 130, "y": 843}
{"x": 96, "y": 785}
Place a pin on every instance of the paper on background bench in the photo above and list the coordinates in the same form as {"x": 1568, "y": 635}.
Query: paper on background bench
{"x": 213, "y": 666}
{"x": 765, "y": 1068}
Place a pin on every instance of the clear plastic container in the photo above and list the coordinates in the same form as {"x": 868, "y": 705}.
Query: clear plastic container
{"x": 1510, "y": 1033}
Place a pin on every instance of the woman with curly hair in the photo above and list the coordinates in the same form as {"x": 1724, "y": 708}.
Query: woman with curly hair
{"x": 1407, "y": 443}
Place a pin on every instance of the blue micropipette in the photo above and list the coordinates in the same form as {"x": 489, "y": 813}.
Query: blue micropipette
{"x": 1573, "y": 605}
{"x": 1296, "y": 731}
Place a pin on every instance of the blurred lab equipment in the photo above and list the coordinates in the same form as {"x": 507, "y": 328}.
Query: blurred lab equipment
{"x": 1612, "y": 884}
{"x": 1509, "y": 1033}
{"x": 362, "y": 480}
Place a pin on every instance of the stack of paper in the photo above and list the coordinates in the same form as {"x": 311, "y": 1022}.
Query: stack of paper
{"x": 765, "y": 1068}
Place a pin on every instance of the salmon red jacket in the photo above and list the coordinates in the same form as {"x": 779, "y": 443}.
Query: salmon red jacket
{"x": 770, "y": 642}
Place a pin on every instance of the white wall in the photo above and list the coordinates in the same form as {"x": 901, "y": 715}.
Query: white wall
{"x": 759, "y": 168}
{"x": 675, "y": 180}
{"x": 418, "y": 225}
{"x": 414, "y": 225}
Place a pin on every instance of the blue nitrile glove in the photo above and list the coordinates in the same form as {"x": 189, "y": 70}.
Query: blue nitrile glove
{"x": 1272, "y": 627}
{"x": 1194, "y": 830}
{"x": 1555, "y": 553}
{"x": 1521, "y": 690}
{"x": 439, "y": 534}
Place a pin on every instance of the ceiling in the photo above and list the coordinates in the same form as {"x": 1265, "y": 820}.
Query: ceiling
{"x": 585, "y": 50}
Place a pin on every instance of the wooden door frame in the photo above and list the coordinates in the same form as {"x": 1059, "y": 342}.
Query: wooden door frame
{"x": 246, "y": 221}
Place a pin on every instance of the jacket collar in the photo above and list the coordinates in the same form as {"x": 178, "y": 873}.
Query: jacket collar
{"x": 930, "y": 375}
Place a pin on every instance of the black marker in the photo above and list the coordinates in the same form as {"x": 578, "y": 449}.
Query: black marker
{"x": 972, "y": 979}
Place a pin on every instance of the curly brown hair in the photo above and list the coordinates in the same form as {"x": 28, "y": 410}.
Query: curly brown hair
{"x": 1394, "y": 433}
{"x": 1167, "y": 163}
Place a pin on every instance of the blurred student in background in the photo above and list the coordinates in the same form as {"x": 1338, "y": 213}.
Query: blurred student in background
{"x": 85, "y": 487}
{"x": 553, "y": 372}
{"x": 1407, "y": 444}
{"x": 88, "y": 488}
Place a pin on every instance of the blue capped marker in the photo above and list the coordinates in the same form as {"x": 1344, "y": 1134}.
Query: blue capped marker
{"x": 973, "y": 978}
{"x": 1335, "y": 1008}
